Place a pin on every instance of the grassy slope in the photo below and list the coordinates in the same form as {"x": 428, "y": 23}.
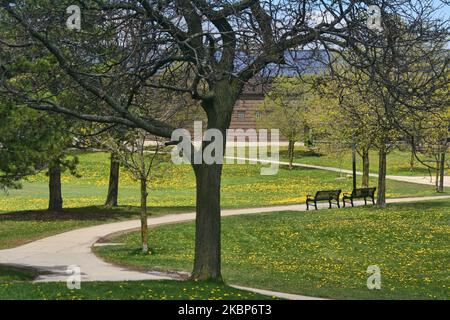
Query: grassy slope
{"x": 22, "y": 227}
{"x": 172, "y": 190}
{"x": 398, "y": 161}
{"x": 17, "y": 283}
{"x": 139, "y": 290}
{"x": 323, "y": 253}
{"x": 175, "y": 186}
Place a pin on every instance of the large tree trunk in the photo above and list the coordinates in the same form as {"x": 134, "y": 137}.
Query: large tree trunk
{"x": 144, "y": 226}
{"x": 366, "y": 169}
{"x": 437, "y": 172}
{"x": 54, "y": 184}
{"x": 412, "y": 161}
{"x": 381, "y": 193}
{"x": 207, "y": 262}
{"x": 442, "y": 173}
{"x": 207, "y": 259}
{"x": 113, "y": 189}
{"x": 354, "y": 184}
{"x": 291, "y": 152}
{"x": 308, "y": 137}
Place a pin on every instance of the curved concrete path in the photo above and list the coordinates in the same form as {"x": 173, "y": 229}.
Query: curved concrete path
{"x": 54, "y": 254}
{"x": 282, "y": 295}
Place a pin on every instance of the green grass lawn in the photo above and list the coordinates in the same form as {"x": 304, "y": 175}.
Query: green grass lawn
{"x": 21, "y": 227}
{"x": 17, "y": 284}
{"x": 172, "y": 191}
{"x": 139, "y": 290}
{"x": 10, "y": 274}
{"x": 324, "y": 253}
{"x": 398, "y": 161}
{"x": 174, "y": 186}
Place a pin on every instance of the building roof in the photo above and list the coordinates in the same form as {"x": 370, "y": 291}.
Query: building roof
{"x": 296, "y": 62}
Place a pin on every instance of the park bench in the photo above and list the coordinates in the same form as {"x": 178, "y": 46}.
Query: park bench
{"x": 324, "y": 195}
{"x": 362, "y": 193}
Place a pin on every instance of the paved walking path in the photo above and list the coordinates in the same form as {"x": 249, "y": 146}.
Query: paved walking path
{"x": 282, "y": 295}
{"x": 412, "y": 179}
{"x": 54, "y": 254}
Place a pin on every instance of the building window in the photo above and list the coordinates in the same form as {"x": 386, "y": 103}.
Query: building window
{"x": 241, "y": 115}
{"x": 258, "y": 114}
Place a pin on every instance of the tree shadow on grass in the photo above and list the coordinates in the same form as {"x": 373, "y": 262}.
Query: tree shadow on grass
{"x": 97, "y": 213}
{"x": 10, "y": 273}
{"x": 302, "y": 153}
{"x": 444, "y": 204}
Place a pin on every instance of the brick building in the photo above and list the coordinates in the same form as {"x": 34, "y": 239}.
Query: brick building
{"x": 245, "y": 111}
{"x": 301, "y": 62}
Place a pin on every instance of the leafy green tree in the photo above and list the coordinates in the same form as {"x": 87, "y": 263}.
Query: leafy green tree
{"x": 139, "y": 153}
{"x": 24, "y": 141}
{"x": 396, "y": 82}
{"x": 32, "y": 141}
{"x": 429, "y": 138}
{"x": 124, "y": 46}
{"x": 359, "y": 126}
{"x": 344, "y": 120}
{"x": 286, "y": 107}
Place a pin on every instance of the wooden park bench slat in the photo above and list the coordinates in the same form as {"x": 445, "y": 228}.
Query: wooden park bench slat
{"x": 362, "y": 193}
{"x": 324, "y": 195}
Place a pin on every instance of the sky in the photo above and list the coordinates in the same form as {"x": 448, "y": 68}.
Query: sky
{"x": 446, "y": 13}
{"x": 445, "y": 10}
